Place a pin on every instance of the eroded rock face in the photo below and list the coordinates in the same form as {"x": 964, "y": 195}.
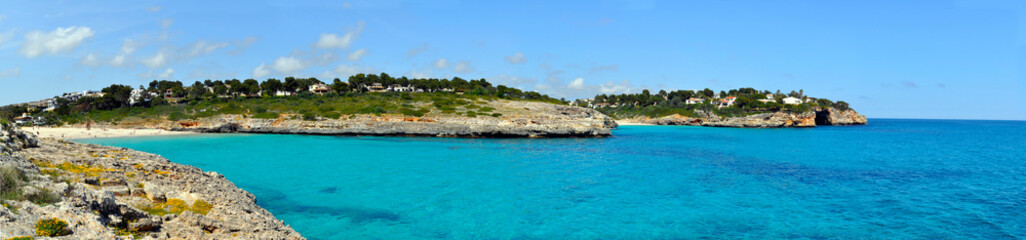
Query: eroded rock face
{"x": 837, "y": 117}
{"x": 124, "y": 192}
{"x": 520, "y": 119}
{"x": 12, "y": 139}
{"x": 823, "y": 117}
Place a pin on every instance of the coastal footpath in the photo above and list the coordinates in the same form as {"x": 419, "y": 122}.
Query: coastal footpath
{"x": 817, "y": 117}
{"x": 55, "y": 188}
{"x": 520, "y": 119}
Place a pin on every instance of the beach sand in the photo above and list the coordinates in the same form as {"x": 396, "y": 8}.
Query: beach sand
{"x": 81, "y": 133}
{"x": 625, "y": 123}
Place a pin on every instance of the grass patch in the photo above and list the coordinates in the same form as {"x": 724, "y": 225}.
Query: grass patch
{"x": 266, "y": 115}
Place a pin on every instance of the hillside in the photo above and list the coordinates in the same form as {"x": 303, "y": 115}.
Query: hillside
{"x": 743, "y": 107}
{"x": 364, "y": 105}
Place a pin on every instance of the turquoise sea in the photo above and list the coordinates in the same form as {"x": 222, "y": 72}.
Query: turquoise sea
{"x": 892, "y": 179}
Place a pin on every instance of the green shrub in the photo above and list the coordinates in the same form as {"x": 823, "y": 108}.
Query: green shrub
{"x": 266, "y": 115}
{"x": 496, "y": 114}
{"x": 309, "y": 117}
{"x": 471, "y": 114}
{"x": 42, "y": 197}
{"x": 486, "y": 109}
{"x": 52, "y": 227}
{"x": 175, "y": 116}
{"x": 411, "y": 112}
{"x": 332, "y": 115}
{"x": 11, "y": 181}
{"x": 22, "y": 238}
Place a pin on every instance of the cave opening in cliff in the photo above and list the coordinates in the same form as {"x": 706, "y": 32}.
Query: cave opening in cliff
{"x": 822, "y": 118}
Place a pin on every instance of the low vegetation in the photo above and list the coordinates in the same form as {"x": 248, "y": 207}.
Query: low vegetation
{"x": 177, "y": 206}
{"x": 295, "y": 98}
{"x": 12, "y": 183}
{"x": 736, "y": 102}
{"x": 52, "y": 227}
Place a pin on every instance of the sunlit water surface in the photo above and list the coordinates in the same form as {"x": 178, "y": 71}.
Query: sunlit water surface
{"x": 895, "y": 179}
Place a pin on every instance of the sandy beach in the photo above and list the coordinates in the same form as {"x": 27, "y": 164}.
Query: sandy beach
{"x": 625, "y": 123}
{"x": 67, "y": 133}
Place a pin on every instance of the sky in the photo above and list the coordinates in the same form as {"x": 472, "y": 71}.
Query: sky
{"x": 887, "y": 59}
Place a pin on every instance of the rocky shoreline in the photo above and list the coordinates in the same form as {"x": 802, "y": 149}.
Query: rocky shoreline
{"x": 117, "y": 193}
{"x": 818, "y": 117}
{"x": 519, "y": 119}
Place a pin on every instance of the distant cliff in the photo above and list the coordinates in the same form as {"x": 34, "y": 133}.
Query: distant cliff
{"x": 816, "y": 117}
{"x": 515, "y": 119}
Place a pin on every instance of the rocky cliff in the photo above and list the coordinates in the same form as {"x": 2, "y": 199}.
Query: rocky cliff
{"x": 818, "y": 117}
{"x": 518, "y": 119}
{"x": 116, "y": 193}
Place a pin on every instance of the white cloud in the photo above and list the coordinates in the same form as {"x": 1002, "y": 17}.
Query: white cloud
{"x": 203, "y": 48}
{"x": 441, "y": 63}
{"x": 154, "y": 8}
{"x": 167, "y": 74}
{"x": 419, "y": 74}
{"x": 166, "y": 23}
{"x": 10, "y": 73}
{"x": 615, "y": 88}
{"x": 89, "y": 60}
{"x": 462, "y": 67}
{"x": 417, "y": 50}
{"x": 261, "y": 71}
{"x": 331, "y": 40}
{"x": 513, "y": 80}
{"x": 344, "y": 71}
{"x": 576, "y": 84}
{"x": 287, "y": 65}
{"x": 4, "y": 36}
{"x": 61, "y": 40}
{"x": 119, "y": 61}
{"x": 129, "y": 46}
{"x": 240, "y": 46}
{"x": 517, "y": 58}
{"x": 356, "y": 55}
{"x": 347, "y": 5}
{"x": 156, "y": 61}
{"x": 610, "y": 67}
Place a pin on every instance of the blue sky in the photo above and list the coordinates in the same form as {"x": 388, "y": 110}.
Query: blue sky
{"x": 888, "y": 59}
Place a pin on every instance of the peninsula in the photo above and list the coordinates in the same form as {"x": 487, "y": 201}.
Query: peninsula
{"x": 366, "y": 104}
{"x": 742, "y": 108}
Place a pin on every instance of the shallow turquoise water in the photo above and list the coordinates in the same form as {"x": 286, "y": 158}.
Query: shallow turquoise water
{"x": 922, "y": 179}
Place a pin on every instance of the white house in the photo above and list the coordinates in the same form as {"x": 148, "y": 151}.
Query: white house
{"x": 694, "y": 101}
{"x": 319, "y": 88}
{"x": 728, "y": 101}
{"x": 792, "y": 100}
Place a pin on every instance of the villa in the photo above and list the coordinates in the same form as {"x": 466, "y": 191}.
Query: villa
{"x": 792, "y": 100}
{"x": 694, "y": 101}
{"x": 319, "y": 88}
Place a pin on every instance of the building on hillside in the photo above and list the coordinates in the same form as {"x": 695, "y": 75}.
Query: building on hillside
{"x": 320, "y": 88}
{"x": 728, "y": 101}
{"x": 280, "y": 93}
{"x": 792, "y": 100}
{"x": 376, "y": 87}
{"x": 694, "y": 101}
{"x": 401, "y": 88}
{"x": 24, "y": 118}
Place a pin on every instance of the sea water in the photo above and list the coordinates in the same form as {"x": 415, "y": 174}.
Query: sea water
{"x": 895, "y": 179}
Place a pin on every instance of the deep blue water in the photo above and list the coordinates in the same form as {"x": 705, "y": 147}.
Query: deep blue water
{"x": 905, "y": 179}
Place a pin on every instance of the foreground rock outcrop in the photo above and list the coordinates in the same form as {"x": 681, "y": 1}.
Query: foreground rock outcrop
{"x": 117, "y": 193}
{"x": 818, "y": 117}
